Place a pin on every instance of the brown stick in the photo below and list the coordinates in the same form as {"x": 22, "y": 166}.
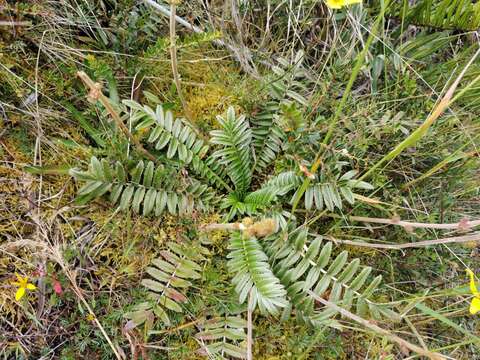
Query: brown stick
{"x": 455, "y": 239}
{"x": 461, "y": 225}
{"x": 179, "y": 327}
{"x": 15, "y": 23}
{"x": 249, "y": 326}
{"x": 228, "y": 226}
{"x": 381, "y": 331}
{"x": 95, "y": 95}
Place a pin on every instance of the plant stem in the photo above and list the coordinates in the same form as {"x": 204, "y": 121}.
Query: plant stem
{"x": 461, "y": 225}
{"x": 174, "y": 62}
{"x": 96, "y": 94}
{"x": 454, "y": 239}
{"x": 228, "y": 226}
{"x": 249, "y": 326}
{"x": 173, "y": 54}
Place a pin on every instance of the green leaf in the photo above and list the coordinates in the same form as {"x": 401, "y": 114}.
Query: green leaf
{"x": 137, "y": 172}
{"x": 172, "y": 201}
{"x": 160, "y": 202}
{"x": 97, "y": 168}
{"x": 149, "y": 201}
{"x": 90, "y": 187}
{"x": 115, "y": 193}
{"x": 338, "y": 263}
{"x": 137, "y": 199}
{"x": 126, "y": 198}
{"x": 148, "y": 175}
{"x": 121, "y": 175}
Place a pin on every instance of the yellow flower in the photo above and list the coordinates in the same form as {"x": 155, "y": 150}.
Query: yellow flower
{"x": 23, "y": 285}
{"x": 338, "y": 4}
{"x": 475, "y": 304}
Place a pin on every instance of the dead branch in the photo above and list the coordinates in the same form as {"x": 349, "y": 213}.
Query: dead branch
{"x": 381, "y": 331}
{"x": 455, "y": 239}
{"x": 464, "y": 224}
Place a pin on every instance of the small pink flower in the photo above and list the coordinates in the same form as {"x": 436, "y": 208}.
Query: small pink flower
{"x": 57, "y": 287}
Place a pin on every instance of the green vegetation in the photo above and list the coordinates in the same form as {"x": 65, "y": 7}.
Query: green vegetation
{"x": 297, "y": 182}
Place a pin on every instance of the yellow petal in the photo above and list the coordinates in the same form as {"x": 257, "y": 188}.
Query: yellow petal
{"x": 31, "y": 287}
{"x": 473, "y": 287}
{"x": 335, "y": 4}
{"x": 19, "y": 294}
{"x": 475, "y": 306}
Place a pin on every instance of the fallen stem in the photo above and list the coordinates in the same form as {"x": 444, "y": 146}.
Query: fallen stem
{"x": 15, "y": 23}
{"x": 381, "y": 331}
{"x": 461, "y": 225}
{"x": 250, "y": 309}
{"x": 166, "y": 12}
{"x": 454, "y": 239}
{"x": 228, "y": 227}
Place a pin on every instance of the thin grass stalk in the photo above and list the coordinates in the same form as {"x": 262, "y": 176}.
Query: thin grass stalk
{"x": 174, "y": 63}
{"x": 403, "y": 344}
{"x": 360, "y": 59}
{"x": 173, "y": 53}
{"x": 444, "y": 103}
{"x": 451, "y": 158}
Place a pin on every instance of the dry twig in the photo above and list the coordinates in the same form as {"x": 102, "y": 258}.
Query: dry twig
{"x": 250, "y": 309}
{"x": 455, "y": 239}
{"x": 463, "y": 225}
{"x": 392, "y": 337}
